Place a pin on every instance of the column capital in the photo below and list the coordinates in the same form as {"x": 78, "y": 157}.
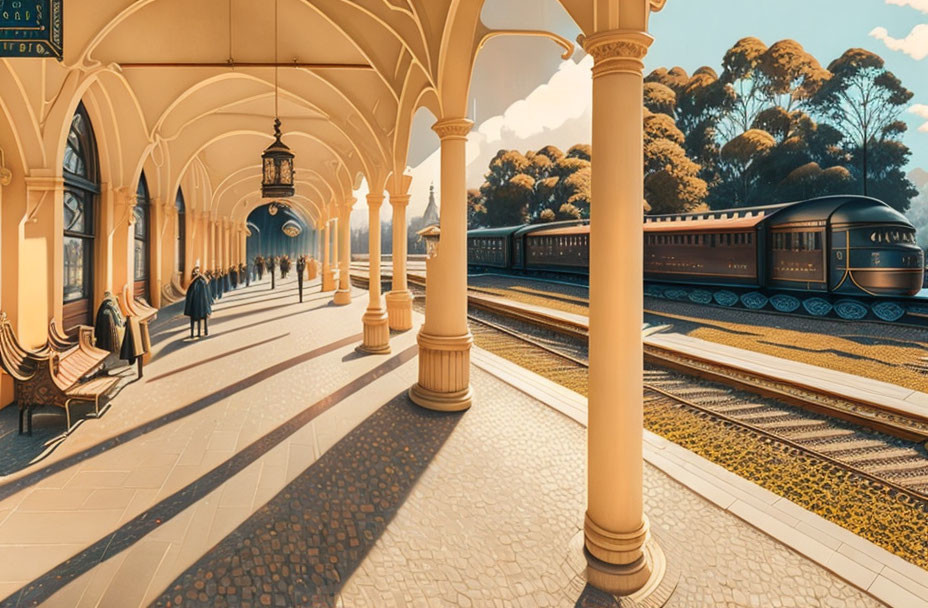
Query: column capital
{"x": 453, "y": 128}
{"x": 39, "y": 183}
{"x": 618, "y": 51}
{"x": 399, "y": 200}
{"x": 374, "y": 199}
{"x": 348, "y": 203}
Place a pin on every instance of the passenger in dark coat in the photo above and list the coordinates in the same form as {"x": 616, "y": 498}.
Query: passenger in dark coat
{"x": 198, "y": 305}
{"x": 300, "y": 269}
{"x": 272, "y": 265}
{"x": 233, "y": 276}
{"x": 226, "y": 282}
{"x": 109, "y": 327}
{"x": 245, "y": 273}
{"x": 259, "y": 266}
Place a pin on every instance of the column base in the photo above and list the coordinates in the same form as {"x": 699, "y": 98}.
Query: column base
{"x": 444, "y": 373}
{"x": 376, "y": 333}
{"x": 328, "y": 280}
{"x": 622, "y": 563}
{"x": 399, "y": 310}
{"x": 342, "y": 297}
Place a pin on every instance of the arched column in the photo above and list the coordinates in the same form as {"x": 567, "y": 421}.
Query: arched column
{"x": 116, "y": 245}
{"x": 445, "y": 340}
{"x": 621, "y": 554}
{"x": 226, "y": 244}
{"x": 161, "y": 229}
{"x": 343, "y": 295}
{"x": 376, "y": 326}
{"x": 328, "y": 277}
{"x": 399, "y": 299}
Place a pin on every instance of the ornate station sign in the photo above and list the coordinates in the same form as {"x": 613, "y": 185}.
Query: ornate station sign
{"x": 30, "y": 28}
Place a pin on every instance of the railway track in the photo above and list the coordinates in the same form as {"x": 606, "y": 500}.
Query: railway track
{"x": 871, "y": 415}
{"x": 878, "y": 457}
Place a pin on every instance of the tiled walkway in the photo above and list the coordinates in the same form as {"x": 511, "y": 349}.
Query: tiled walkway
{"x": 261, "y": 466}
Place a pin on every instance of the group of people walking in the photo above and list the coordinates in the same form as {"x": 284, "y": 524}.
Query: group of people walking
{"x": 207, "y": 287}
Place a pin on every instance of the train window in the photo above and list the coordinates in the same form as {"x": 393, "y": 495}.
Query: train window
{"x": 728, "y": 239}
{"x": 750, "y": 238}
{"x": 712, "y": 240}
{"x": 818, "y": 241}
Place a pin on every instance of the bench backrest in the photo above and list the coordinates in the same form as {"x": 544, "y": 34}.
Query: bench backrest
{"x": 18, "y": 362}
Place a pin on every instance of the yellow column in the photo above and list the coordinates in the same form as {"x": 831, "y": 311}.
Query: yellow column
{"x": 328, "y": 277}
{"x": 623, "y": 557}
{"x": 123, "y": 243}
{"x": 376, "y": 326}
{"x": 445, "y": 340}
{"x": 399, "y": 299}
{"x": 160, "y": 220}
{"x": 226, "y": 244}
{"x": 343, "y": 295}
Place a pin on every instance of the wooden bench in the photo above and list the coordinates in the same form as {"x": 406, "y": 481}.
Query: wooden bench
{"x": 51, "y": 376}
{"x": 137, "y": 310}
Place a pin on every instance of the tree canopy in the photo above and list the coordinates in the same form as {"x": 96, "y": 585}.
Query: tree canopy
{"x": 772, "y": 125}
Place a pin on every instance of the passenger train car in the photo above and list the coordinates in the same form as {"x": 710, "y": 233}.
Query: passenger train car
{"x": 836, "y": 245}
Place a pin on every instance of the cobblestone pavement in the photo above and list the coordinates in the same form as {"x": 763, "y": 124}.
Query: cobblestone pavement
{"x": 491, "y": 520}
{"x": 299, "y": 547}
{"x": 261, "y": 467}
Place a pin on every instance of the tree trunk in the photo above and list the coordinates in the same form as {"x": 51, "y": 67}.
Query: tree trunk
{"x": 865, "y": 166}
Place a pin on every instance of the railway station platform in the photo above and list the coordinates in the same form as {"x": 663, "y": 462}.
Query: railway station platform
{"x": 271, "y": 464}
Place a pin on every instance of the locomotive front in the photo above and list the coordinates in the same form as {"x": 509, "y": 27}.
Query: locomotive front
{"x": 873, "y": 250}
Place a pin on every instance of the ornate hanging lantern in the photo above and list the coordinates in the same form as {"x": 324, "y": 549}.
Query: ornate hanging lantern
{"x": 277, "y": 161}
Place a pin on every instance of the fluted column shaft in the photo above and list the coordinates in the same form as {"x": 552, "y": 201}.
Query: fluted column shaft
{"x": 399, "y": 300}
{"x": 615, "y": 528}
{"x": 376, "y": 326}
{"x": 343, "y": 294}
{"x": 328, "y": 277}
{"x": 445, "y": 340}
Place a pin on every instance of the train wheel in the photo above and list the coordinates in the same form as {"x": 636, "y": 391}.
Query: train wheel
{"x": 849, "y": 309}
{"x": 700, "y": 296}
{"x": 725, "y": 298}
{"x": 785, "y": 303}
{"x": 754, "y": 300}
{"x": 888, "y": 311}
{"x": 818, "y": 307}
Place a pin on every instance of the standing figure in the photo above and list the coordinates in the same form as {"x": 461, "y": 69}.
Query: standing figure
{"x": 246, "y": 273}
{"x": 233, "y": 274}
{"x": 226, "y": 281}
{"x": 284, "y": 266}
{"x": 259, "y": 266}
{"x": 198, "y": 305}
{"x": 273, "y": 265}
{"x": 300, "y": 268}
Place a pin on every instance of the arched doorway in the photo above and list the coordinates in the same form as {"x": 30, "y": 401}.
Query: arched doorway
{"x": 141, "y": 245}
{"x": 81, "y": 190}
{"x": 180, "y": 247}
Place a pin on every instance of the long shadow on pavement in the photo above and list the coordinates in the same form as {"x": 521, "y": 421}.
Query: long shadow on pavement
{"x": 11, "y": 487}
{"x": 43, "y": 587}
{"x": 301, "y": 547}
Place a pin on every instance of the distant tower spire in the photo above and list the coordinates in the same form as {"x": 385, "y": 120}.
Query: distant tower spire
{"x": 431, "y": 216}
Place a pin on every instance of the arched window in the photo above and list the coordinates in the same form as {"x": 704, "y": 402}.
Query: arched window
{"x": 81, "y": 188}
{"x": 180, "y": 249}
{"x": 141, "y": 225}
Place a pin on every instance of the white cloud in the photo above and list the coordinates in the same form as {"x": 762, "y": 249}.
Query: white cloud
{"x": 915, "y": 45}
{"x": 921, "y": 110}
{"x": 919, "y": 5}
{"x": 558, "y": 112}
